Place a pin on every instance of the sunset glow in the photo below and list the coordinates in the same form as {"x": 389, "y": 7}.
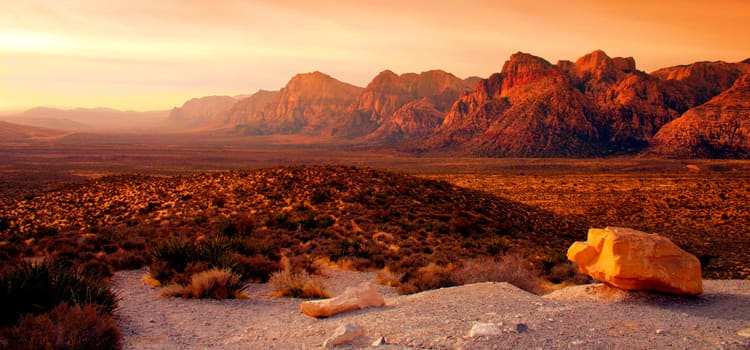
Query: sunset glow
{"x": 146, "y": 55}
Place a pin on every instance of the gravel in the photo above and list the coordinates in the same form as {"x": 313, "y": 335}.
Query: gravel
{"x": 583, "y": 317}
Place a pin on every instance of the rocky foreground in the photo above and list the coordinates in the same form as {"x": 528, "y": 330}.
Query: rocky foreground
{"x": 477, "y": 316}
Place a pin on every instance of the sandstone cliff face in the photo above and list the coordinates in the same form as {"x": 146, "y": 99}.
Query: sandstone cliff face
{"x": 198, "y": 111}
{"x": 699, "y": 82}
{"x": 596, "y": 106}
{"x": 413, "y": 120}
{"x": 388, "y": 93}
{"x": 308, "y": 104}
{"x": 526, "y": 110}
{"x": 719, "y": 128}
{"x": 242, "y": 110}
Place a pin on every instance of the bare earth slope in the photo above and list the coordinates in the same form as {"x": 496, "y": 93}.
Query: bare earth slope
{"x": 720, "y": 128}
{"x": 440, "y": 319}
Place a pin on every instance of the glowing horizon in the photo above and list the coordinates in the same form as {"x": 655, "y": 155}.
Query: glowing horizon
{"x": 151, "y": 55}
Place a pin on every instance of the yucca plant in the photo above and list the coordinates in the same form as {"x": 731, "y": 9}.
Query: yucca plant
{"x": 37, "y": 288}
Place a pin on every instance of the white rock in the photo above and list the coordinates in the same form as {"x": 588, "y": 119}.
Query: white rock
{"x": 744, "y": 333}
{"x": 344, "y": 334}
{"x": 482, "y": 329}
{"x": 360, "y": 297}
{"x": 379, "y": 342}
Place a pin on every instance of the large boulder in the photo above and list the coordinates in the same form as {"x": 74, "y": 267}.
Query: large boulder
{"x": 635, "y": 260}
{"x": 353, "y": 298}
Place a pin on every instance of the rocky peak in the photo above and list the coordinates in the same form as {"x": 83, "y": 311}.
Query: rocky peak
{"x": 385, "y": 80}
{"x": 318, "y": 85}
{"x": 594, "y": 60}
{"x": 625, "y": 64}
{"x": 388, "y": 92}
{"x": 599, "y": 66}
{"x": 700, "y": 81}
{"x": 199, "y": 111}
{"x": 522, "y": 69}
{"x": 244, "y": 109}
{"x": 717, "y": 128}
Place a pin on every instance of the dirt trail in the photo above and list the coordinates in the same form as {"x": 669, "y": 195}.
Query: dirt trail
{"x": 441, "y": 319}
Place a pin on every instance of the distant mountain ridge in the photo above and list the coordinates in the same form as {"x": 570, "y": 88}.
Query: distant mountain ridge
{"x": 88, "y": 119}
{"x": 595, "y": 106}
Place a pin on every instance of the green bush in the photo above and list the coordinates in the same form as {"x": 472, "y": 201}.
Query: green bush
{"x": 38, "y": 288}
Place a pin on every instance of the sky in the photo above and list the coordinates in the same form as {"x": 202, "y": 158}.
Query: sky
{"x": 156, "y": 54}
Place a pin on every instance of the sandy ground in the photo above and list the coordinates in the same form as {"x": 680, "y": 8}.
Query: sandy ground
{"x": 584, "y": 317}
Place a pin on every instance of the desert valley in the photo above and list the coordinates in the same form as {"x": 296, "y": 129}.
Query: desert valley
{"x": 587, "y": 203}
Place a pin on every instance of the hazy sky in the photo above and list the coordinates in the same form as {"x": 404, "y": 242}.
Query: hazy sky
{"x": 155, "y": 54}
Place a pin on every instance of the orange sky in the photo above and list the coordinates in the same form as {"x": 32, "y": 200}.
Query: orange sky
{"x": 148, "y": 54}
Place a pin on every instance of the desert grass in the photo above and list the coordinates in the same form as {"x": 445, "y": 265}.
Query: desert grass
{"x": 510, "y": 268}
{"x": 432, "y": 276}
{"x": 38, "y": 288}
{"x": 386, "y": 277}
{"x": 64, "y": 327}
{"x": 301, "y": 284}
{"x": 214, "y": 284}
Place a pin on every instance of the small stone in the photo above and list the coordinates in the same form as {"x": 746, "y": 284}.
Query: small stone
{"x": 379, "y": 342}
{"x": 744, "y": 333}
{"x": 344, "y": 334}
{"x": 659, "y": 332}
{"x": 484, "y": 329}
{"x": 151, "y": 320}
{"x": 521, "y": 327}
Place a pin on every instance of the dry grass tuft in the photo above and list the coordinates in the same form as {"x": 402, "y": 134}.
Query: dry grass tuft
{"x": 64, "y": 327}
{"x": 151, "y": 281}
{"x": 286, "y": 283}
{"x": 386, "y": 277}
{"x": 213, "y": 283}
{"x": 510, "y": 268}
{"x": 432, "y": 276}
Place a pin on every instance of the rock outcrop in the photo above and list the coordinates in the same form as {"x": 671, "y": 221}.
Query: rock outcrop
{"x": 720, "y": 128}
{"x": 241, "y": 111}
{"x": 353, "y": 298}
{"x": 528, "y": 109}
{"x": 310, "y": 103}
{"x": 402, "y": 106}
{"x": 199, "y": 111}
{"x": 598, "y": 105}
{"x": 634, "y": 260}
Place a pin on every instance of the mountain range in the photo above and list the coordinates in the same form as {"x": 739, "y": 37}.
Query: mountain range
{"x": 595, "y": 106}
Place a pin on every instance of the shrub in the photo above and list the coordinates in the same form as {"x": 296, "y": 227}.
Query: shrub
{"x": 496, "y": 245}
{"x": 386, "y": 277}
{"x": 282, "y": 220}
{"x": 428, "y": 277}
{"x": 567, "y": 273}
{"x": 171, "y": 256}
{"x": 350, "y": 247}
{"x": 213, "y": 283}
{"x": 286, "y": 283}
{"x": 65, "y": 327}
{"x": 38, "y": 288}
{"x": 256, "y": 268}
{"x": 239, "y": 226}
{"x": 126, "y": 260}
{"x": 513, "y": 269}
